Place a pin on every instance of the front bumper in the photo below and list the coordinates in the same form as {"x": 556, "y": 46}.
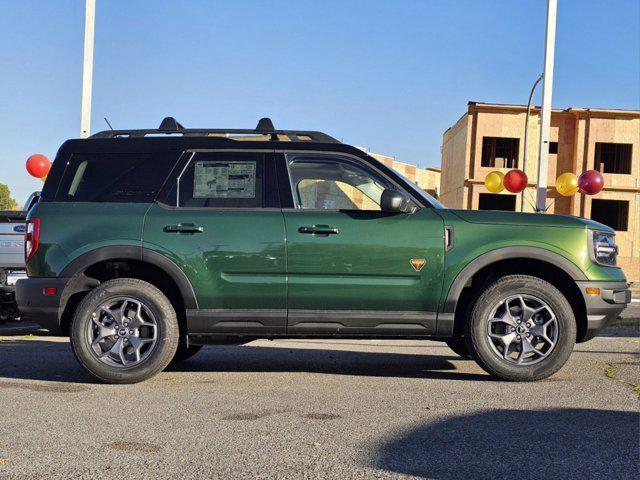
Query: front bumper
{"x": 37, "y": 307}
{"x": 605, "y": 307}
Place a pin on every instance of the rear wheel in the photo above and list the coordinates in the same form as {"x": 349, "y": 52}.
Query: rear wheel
{"x": 124, "y": 331}
{"x": 521, "y": 328}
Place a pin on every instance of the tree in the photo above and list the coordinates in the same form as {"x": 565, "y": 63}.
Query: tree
{"x": 6, "y": 202}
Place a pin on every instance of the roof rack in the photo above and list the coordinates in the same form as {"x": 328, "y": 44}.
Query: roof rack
{"x": 169, "y": 126}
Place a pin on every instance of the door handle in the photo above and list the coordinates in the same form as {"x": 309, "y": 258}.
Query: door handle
{"x": 319, "y": 230}
{"x": 187, "y": 228}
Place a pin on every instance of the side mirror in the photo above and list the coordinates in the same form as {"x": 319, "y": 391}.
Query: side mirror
{"x": 395, "y": 201}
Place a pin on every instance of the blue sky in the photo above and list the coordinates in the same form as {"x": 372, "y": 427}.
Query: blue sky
{"x": 391, "y": 76}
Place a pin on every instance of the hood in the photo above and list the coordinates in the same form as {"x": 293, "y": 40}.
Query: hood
{"x": 498, "y": 217}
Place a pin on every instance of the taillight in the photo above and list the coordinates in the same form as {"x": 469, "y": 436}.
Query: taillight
{"x": 31, "y": 238}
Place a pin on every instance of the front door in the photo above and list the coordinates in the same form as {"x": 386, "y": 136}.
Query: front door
{"x": 353, "y": 269}
{"x": 219, "y": 221}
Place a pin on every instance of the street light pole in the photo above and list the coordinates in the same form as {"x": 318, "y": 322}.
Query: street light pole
{"x": 545, "y": 119}
{"x": 526, "y": 137}
{"x": 87, "y": 68}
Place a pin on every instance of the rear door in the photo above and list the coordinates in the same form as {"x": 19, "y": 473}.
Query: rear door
{"x": 353, "y": 269}
{"x": 219, "y": 221}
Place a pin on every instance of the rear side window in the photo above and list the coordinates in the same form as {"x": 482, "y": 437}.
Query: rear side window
{"x": 114, "y": 177}
{"x": 221, "y": 180}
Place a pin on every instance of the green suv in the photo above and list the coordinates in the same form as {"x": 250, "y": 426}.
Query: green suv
{"x": 148, "y": 244}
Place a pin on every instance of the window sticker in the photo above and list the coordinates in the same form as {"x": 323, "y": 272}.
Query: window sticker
{"x": 224, "y": 180}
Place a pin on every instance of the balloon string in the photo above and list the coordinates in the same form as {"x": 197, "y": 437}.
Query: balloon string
{"x": 531, "y": 204}
{"x": 553, "y": 201}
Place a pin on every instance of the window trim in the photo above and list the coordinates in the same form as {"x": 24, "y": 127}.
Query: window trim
{"x": 337, "y": 156}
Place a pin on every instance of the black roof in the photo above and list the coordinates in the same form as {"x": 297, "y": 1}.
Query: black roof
{"x": 169, "y": 126}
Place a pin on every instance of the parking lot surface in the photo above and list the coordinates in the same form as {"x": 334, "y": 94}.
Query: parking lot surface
{"x": 319, "y": 409}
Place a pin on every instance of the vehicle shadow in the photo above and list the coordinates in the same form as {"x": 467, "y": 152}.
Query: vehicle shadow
{"x": 523, "y": 444}
{"x": 43, "y": 359}
{"x": 250, "y": 358}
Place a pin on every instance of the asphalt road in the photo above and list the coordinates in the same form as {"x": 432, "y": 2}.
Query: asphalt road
{"x": 319, "y": 409}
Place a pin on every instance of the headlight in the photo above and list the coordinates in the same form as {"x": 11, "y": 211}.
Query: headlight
{"x": 604, "y": 250}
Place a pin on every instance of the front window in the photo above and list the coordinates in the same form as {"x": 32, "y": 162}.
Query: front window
{"x": 323, "y": 183}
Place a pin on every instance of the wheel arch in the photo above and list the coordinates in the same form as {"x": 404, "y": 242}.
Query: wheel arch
{"x": 544, "y": 264}
{"x": 89, "y": 269}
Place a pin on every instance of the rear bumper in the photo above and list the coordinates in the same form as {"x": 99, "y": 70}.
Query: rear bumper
{"x": 8, "y": 310}
{"x": 605, "y": 307}
{"x": 34, "y": 306}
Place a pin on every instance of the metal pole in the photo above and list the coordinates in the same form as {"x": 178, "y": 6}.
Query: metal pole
{"x": 545, "y": 120}
{"x": 87, "y": 68}
{"x": 526, "y": 137}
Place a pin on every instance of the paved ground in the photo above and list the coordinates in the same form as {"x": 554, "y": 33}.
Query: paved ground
{"x": 319, "y": 409}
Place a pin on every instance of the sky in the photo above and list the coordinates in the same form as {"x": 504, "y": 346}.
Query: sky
{"x": 390, "y": 76}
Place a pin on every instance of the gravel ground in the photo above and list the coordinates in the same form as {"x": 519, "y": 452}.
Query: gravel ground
{"x": 319, "y": 409}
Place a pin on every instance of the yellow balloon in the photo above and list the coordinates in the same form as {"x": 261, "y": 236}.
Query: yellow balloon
{"x": 567, "y": 184}
{"x": 494, "y": 181}
{"x": 43, "y": 178}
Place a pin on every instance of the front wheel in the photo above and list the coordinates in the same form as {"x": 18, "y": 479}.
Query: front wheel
{"x": 124, "y": 331}
{"x": 521, "y": 328}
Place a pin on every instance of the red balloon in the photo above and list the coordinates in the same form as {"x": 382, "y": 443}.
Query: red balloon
{"x": 590, "y": 182}
{"x": 515, "y": 181}
{"x": 38, "y": 165}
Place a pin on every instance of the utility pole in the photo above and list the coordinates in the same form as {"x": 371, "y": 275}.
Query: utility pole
{"x": 545, "y": 120}
{"x": 87, "y": 67}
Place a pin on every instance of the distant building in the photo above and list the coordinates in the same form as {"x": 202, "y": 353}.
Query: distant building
{"x": 491, "y": 137}
{"x": 426, "y": 178}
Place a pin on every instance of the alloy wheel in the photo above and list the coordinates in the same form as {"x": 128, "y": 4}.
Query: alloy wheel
{"x": 522, "y": 329}
{"x": 123, "y": 332}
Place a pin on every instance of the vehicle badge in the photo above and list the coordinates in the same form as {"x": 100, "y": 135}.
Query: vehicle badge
{"x": 417, "y": 263}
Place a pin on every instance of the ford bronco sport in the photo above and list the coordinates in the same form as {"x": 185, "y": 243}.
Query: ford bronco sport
{"x": 148, "y": 244}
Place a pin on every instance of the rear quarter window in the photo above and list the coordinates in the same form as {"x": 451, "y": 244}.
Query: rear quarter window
{"x": 114, "y": 177}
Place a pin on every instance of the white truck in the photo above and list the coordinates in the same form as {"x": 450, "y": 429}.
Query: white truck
{"x": 12, "y": 257}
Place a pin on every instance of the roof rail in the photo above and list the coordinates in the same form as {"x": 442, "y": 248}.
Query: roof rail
{"x": 170, "y": 126}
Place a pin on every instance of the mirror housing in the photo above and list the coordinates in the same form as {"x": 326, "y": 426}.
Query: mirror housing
{"x": 395, "y": 201}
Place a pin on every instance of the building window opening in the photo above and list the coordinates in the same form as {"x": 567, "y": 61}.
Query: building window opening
{"x": 553, "y": 148}
{"x": 613, "y": 213}
{"x": 498, "y": 152}
{"x": 494, "y": 201}
{"x": 613, "y": 158}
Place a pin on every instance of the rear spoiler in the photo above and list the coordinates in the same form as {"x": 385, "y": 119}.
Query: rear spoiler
{"x": 10, "y": 216}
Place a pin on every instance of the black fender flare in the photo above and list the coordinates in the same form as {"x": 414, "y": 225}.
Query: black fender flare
{"x": 466, "y": 274}
{"x": 142, "y": 254}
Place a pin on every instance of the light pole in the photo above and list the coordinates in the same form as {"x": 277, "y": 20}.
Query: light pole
{"x": 526, "y": 137}
{"x": 87, "y": 68}
{"x": 545, "y": 118}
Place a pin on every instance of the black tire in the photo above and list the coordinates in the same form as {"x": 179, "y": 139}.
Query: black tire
{"x": 459, "y": 346}
{"x": 480, "y": 346}
{"x": 184, "y": 353}
{"x": 167, "y": 331}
